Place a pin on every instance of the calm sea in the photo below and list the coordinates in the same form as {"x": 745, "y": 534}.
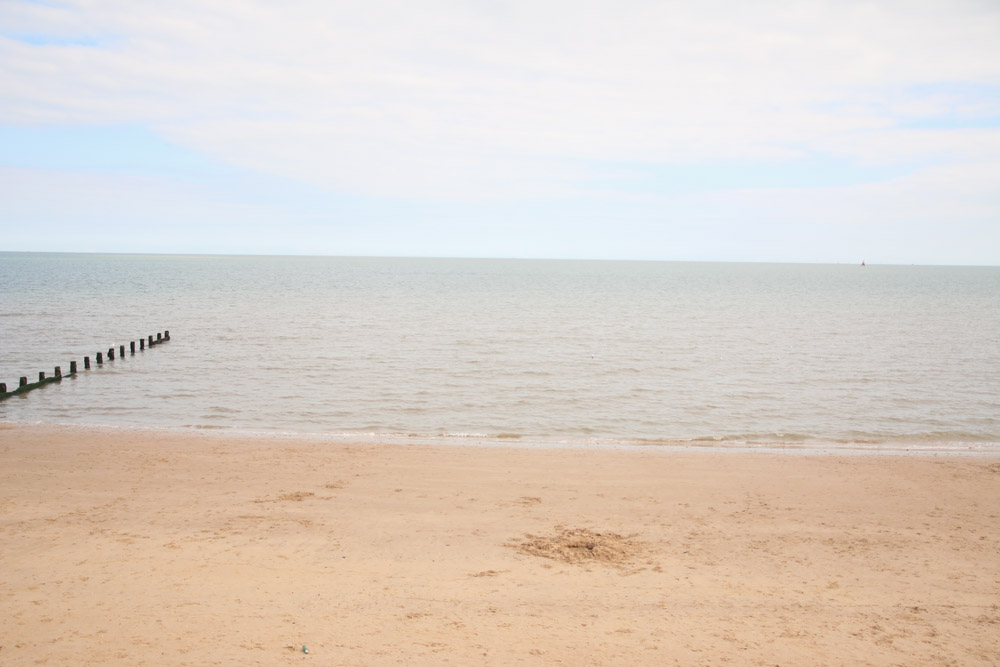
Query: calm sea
{"x": 526, "y": 351}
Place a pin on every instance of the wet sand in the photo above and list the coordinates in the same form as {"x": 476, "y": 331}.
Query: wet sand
{"x": 142, "y": 548}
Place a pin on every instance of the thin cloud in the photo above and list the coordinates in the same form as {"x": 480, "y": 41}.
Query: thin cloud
{"x": 490, "y": 102}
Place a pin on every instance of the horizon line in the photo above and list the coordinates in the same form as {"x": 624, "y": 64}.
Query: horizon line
{"x": 859, "y": 263}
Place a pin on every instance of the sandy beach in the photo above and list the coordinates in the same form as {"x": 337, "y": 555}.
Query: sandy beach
{"x": 144, "y": 548}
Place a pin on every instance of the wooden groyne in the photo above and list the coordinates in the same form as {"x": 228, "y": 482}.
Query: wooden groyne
{"x": 24, "y": 386}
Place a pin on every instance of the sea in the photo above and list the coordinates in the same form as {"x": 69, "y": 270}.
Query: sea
{"x": 519, "y": 352}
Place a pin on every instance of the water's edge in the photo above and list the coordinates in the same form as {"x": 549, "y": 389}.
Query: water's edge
{"x": 810, "y": 447}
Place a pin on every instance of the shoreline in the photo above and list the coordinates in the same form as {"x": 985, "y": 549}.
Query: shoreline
{"x": 138, "y": 547}
{"x": 802, "y": 446}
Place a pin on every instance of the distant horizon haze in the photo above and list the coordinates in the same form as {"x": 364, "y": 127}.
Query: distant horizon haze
{"x": 860, "y": 263}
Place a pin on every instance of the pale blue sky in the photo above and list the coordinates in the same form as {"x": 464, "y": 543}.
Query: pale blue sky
{"x": 771, "y": 131}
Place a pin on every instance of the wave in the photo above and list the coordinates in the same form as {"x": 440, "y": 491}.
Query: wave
{"x": 756, "y": 437}
{"x": 928, "y": 444}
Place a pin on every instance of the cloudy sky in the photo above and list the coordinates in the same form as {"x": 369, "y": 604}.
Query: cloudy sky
{"x": 760, "y": 131}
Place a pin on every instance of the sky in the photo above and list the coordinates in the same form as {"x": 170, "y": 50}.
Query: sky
{"x": 792, "y": 131}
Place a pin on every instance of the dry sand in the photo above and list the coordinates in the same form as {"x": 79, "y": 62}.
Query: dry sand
{"x": 139, "y": 548}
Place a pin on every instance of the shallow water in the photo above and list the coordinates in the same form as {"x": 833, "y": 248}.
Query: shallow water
{"x": 521, "y": 350}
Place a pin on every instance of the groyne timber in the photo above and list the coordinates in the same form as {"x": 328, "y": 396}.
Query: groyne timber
{"x": 99, "y": 359}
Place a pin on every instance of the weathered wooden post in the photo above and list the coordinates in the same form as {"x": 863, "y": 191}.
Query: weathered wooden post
{"x": 57, "y": 374}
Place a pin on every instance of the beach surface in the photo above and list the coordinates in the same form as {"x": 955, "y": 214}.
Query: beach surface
{"x": 131, "y": 547}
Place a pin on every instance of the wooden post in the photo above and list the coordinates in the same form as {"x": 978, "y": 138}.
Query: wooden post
{"x": 57, "y": 374}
